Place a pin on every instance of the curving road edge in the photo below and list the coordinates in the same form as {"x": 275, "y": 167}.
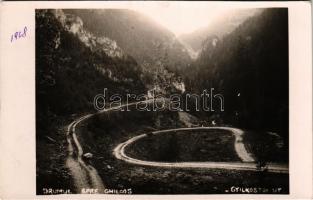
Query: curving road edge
{"x": 247, "y": 164}
{"x": 84, "y": 175}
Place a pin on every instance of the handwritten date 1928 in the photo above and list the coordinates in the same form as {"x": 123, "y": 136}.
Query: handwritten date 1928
{"x": 19, "y": 34}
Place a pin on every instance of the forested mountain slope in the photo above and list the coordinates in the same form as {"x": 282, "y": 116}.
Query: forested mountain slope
{"x": 249, "y": 67}
{"x": 73, "y": 65}
{"x": 155, "y": 48}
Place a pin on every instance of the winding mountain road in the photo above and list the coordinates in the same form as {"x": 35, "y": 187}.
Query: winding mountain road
{"x": 86, "y": 176}
{"x": 246, "y": 164}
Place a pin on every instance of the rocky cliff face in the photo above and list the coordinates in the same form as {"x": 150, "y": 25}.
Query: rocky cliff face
{"x": 156, "y": 49}
{"x": 73, "y": 65}
{"x": 75, "y": 25}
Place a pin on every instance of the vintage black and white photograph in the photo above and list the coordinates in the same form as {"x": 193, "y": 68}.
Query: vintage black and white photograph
{"x": 162, "y": 99}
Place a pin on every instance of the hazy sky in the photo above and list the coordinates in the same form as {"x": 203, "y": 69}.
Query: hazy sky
{"x": 181, "y": 17}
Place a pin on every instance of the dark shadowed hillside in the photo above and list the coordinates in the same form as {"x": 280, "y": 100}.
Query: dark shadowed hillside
{"x": 250, "y": 68}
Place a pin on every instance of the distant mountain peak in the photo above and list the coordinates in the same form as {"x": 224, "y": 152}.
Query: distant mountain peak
{"x": 219, "y": 26}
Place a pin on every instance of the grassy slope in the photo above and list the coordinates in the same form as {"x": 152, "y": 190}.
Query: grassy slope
{"x": 184, "y": 146}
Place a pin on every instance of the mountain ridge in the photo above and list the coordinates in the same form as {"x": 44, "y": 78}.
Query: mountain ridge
{"x": 219, "y": 27}
{"x": 154, "y": 47}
